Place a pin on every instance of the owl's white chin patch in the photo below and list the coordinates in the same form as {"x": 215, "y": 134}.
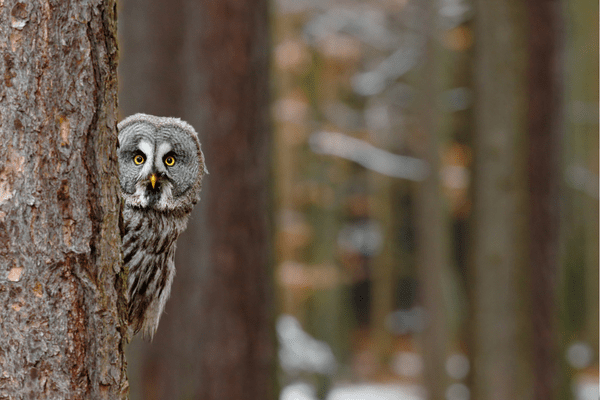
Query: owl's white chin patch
{"x": 141, "y": 199}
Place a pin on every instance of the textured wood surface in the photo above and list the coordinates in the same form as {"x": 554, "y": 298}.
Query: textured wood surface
{"x": 61, "y": 331}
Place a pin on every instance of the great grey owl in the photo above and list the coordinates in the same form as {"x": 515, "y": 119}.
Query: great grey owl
{"x": 161, "y": 166}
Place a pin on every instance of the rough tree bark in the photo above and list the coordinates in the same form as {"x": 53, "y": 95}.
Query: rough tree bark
{"x": 61, "y": 326}
{"x": 215, "y": 340}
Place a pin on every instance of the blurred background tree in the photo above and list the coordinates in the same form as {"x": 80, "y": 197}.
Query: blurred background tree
{"x": 499, "y": 337}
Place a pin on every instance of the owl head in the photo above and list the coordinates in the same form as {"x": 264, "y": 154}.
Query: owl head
{"x": 161, "y": 164}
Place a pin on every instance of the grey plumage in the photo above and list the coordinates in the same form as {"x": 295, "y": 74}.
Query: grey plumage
{"x": 161, "y": 168}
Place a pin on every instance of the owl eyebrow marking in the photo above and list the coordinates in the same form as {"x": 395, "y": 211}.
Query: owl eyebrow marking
{"x": 163, "y": 149}
{"x": 146, "y": 148}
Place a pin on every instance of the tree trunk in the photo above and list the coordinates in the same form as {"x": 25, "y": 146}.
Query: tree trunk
{"x": 215, "y": 339}
{"x": 579, "y": 223}
{"x": 432, "y": 220}
{"x": 236, "y": 300}
{"x": 499, "y": 208}
{"x": 61, "y": 283}
{"x": 544, "y": 127}
{"x": 515, "y": 244}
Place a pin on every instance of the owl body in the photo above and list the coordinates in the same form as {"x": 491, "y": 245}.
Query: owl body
{"x": 161, "y": 167}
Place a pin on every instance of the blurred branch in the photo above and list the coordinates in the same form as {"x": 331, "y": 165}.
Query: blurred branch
{"x": 369, "y": 156}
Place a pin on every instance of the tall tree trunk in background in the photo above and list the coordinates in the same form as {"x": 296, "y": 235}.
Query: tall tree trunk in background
{"x": 579, "y": 223}
{"x": 518, "y": 128}
{"x": 214, "y": 341}
{"x": 544, "y": 126}
{"x": 62, "y": 325}
{"x": 236, "y": 299}
{"x": 432, "y": 224}
{"x": 500, "y": 362}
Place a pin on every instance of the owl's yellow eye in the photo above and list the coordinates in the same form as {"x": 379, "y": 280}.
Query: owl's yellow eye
{"x": 139, "y": 159}
{"x": 170, "y": 161}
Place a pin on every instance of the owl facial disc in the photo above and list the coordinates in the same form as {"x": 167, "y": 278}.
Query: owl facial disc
{"x": 161, "y": 164}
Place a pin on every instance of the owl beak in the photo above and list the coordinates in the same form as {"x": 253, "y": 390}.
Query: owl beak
{"x": 153, "y": 180}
